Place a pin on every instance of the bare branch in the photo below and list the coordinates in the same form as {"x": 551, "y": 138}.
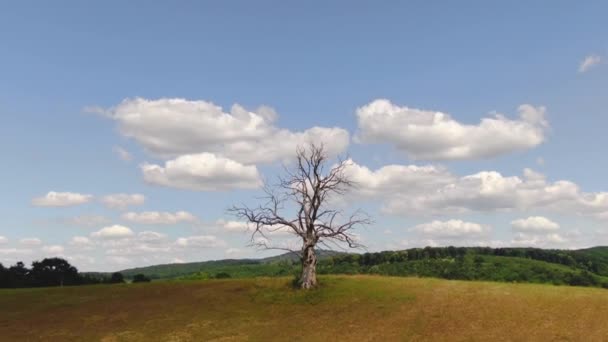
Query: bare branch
{"x": 307, "y": 186}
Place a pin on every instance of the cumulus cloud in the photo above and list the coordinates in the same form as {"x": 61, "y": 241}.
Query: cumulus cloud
{"x": 170, "y": 127}
{"x": 200, "y": 241}
{"x": 3, "y": 240}
{"x": 431, "y": 191}
{"x": 15, "y": 251}
{"x": 142, "y": 244}
{"x": 85, "y": 261}
{"x": 234, "y": 226}
{"x": 120, "y": 247}
{"x": 140, "y": 249}
{"x": 244, "y": 227}
{"x": 113, "y": 232}
{"x": 589, "y": 62}
{"x": 538, "y": 240}
{"x": 451, "y": 229}
{"x": 122, "y": 201}
{"x": 534, "y": 224}
{"x": 61, "y": 199}
{"x": 396, "y": 178}
{"x": 151, "y": 237}
{"x": 81, "y": 242}
{"x": 53, "y": 250}
{"x": 155, "y": 217}
{"x": 538, "y": 231}
{"x": 123, "y": 154}
{"x": 202, "y": 172}
{"x": 433, "y": 135}
{"x": 30, "y": 242}
{"x": 447, "y": 241}
{"x": 234, "y": 252}
{"x": 437, "y": 192}
{"x": 149, "y": 247}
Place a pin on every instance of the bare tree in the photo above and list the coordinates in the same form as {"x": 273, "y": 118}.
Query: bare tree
{"x": 307, "y": 187}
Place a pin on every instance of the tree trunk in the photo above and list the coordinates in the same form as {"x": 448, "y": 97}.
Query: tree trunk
{"x": 308, "y": 280}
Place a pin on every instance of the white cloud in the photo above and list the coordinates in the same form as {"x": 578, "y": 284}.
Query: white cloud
{"x": 396, "y": 178}
{"x": 538, "y": 240}
{"x": 234, "y": 252}
{"x": 81, "y": 260}
{"x": 30, "y": 241}
{"x": 122, "y": 201}
{"x": 146, "y": 243}
{"x": 435, "y": 192}
{"x": 538, "y": 231}
{"x": 200, "y": 241}
{"x": 3, "y": 240}
{"x": 244, "y": 227}
{"x": 173, "y": 127}
{"x": 433, "y": 135}
{"x": 451, "y": 229}
{"x": 53, "y": 250}
{"x": 447, "y": 241}
{"x": 15, "y": 251}
{"x": 202, "y": 172}
{"x": 155, "y": 217}
{"x": 123, "y": 154}
{"x": 556, "y": 238}
{"x": 140, "y": 249}
{"x": 61, "y": 199}
{"x": 589, "y": 62}
{"x": 151, "y": 237}
{"x": 113, "y": 232}
{"x": 234, "y": 226}
{"x": 534, "y": 224}
{"x": 81, "y": 242}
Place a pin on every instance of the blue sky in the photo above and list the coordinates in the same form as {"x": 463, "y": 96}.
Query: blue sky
{"x": 66, "y": 68}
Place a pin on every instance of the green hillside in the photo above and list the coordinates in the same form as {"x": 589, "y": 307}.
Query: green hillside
{"x": 585, "y": 267}
{"x": 241, "y": 268}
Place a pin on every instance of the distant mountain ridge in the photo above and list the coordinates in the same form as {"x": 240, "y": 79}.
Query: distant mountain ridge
{"x": 183, "y": 269}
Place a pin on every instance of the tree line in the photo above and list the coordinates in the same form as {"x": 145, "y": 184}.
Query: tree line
{"x": 54, "y": 272}
{"x": 477, "y": 263}
{"x": 576, "y": 258}
{"x": 524, "y": 265}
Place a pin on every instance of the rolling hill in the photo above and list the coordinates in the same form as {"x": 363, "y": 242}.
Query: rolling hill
{"x": 584, "y": 267}
{"x": 258, "y": 267}
{"x": 344, "y": 308}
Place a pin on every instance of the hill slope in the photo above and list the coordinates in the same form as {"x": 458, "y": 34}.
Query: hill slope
{"x": 586, "y": 267}
{"x": 346, "y": 308}
{"x": 237, "y": 267}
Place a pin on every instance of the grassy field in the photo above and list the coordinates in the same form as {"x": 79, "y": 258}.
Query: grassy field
{"x": 355, "y": 308}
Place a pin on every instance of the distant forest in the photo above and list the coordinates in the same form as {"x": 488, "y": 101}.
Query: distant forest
{"x": 584, "y": 267}
{"x": 54, "y": 272}
{"x": 560, "y": 267}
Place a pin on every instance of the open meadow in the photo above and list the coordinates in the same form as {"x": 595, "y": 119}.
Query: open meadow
{"x": 351, "y": 308}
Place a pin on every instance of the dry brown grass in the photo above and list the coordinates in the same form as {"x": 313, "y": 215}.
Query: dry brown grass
{"x": 358, "y": 308}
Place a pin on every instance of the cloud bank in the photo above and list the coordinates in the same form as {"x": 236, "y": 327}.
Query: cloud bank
{"x": 170, "y": 127}
{"x": 430, "y": 135}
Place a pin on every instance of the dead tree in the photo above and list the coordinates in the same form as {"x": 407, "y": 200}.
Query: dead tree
{"x": 306, "y": 189}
